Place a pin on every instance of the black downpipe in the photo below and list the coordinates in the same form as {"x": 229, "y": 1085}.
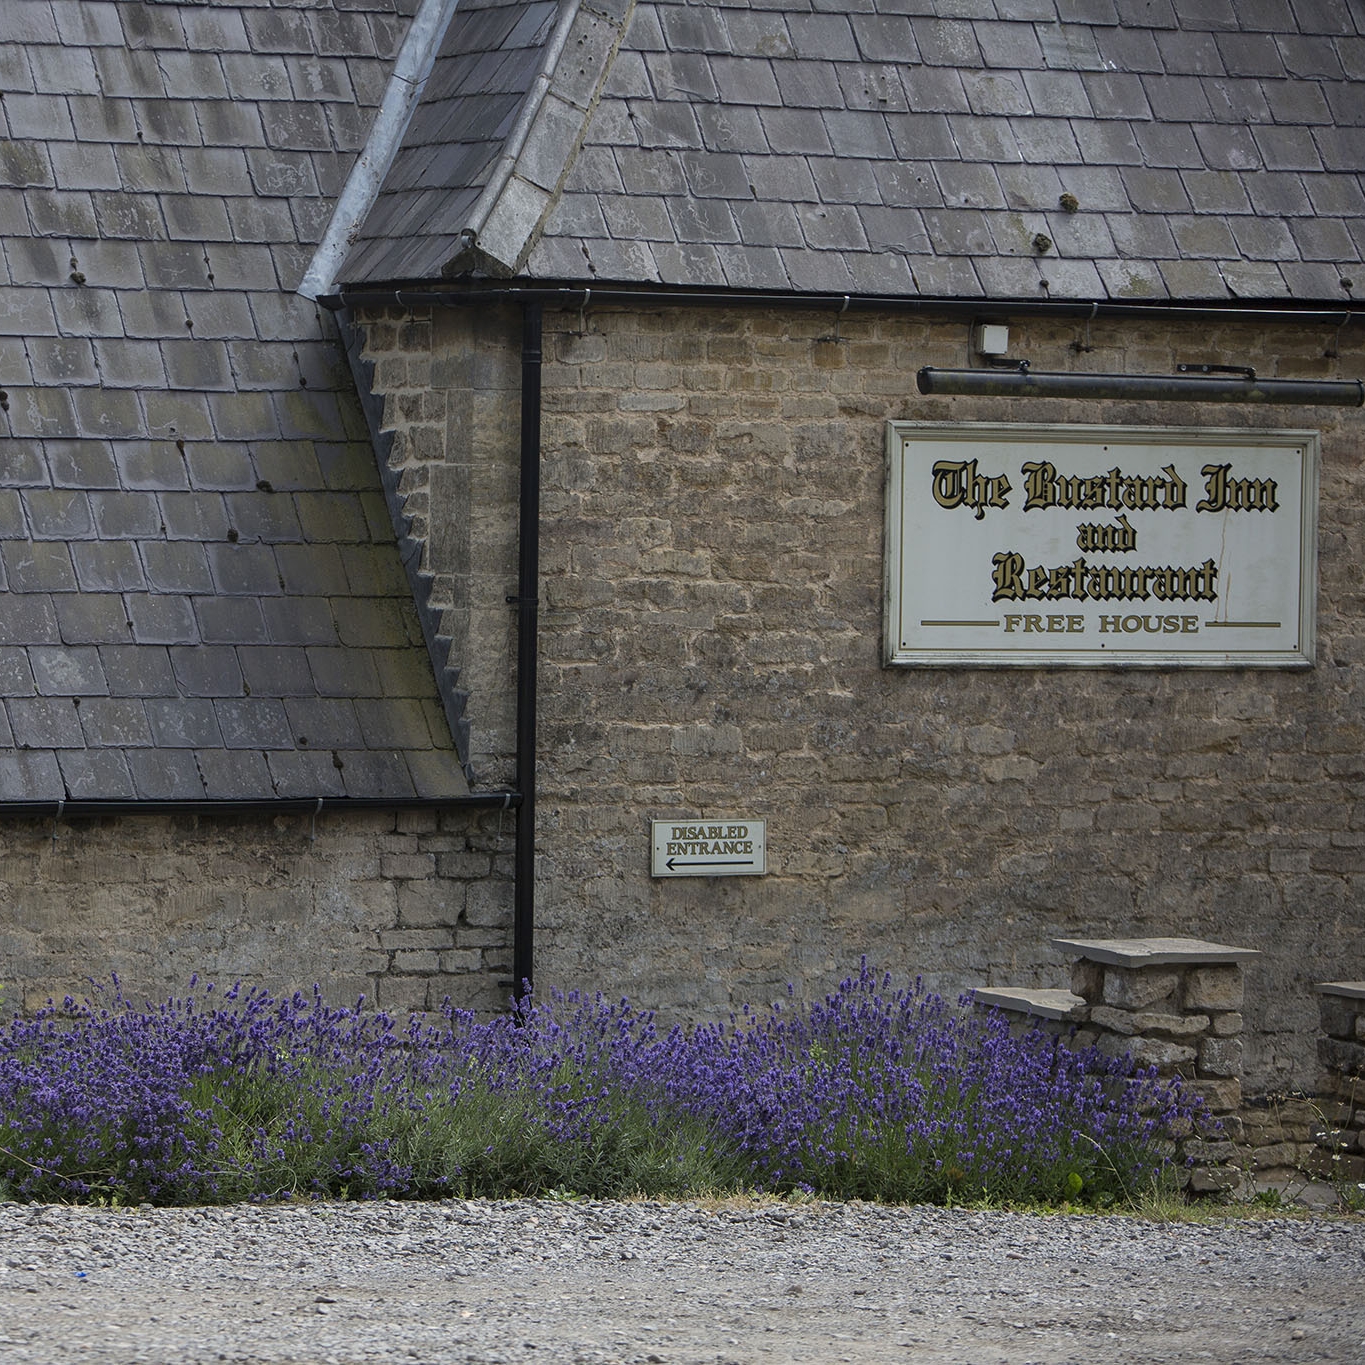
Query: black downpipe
{"x": 528, "y": 616}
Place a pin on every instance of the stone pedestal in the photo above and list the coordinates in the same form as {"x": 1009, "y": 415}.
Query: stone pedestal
{"x": 1173, "y": 1004}
{"x": 1340, "y": 1133}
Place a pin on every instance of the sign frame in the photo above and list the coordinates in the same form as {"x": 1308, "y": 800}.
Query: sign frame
{"x": 903, "y": 643}
{"x": 725, "y": 846}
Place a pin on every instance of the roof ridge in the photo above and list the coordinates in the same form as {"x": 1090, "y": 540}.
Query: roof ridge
{"x": 411, "y": 70}
{"x": 507, "y": 218}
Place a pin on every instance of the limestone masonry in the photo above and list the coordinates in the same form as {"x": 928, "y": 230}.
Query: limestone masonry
{"x": 710, "y": 646}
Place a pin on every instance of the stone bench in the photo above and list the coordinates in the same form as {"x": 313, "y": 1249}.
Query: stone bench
{"x": 1054, "y": 1011}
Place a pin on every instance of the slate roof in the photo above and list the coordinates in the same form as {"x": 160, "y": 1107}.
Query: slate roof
{"x": 201, "y": 596}
{"x": 1004, "y": 149}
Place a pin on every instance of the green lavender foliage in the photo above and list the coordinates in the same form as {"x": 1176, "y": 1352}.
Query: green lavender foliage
{"x": 874, "y": 1092}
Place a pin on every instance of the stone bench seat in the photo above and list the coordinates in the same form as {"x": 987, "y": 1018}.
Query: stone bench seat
{"x": 1040, "y": 1002}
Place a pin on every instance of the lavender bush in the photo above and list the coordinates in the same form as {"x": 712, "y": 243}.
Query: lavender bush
{"x": 872, "y": 1093}
{"x": 892, "y": 1095}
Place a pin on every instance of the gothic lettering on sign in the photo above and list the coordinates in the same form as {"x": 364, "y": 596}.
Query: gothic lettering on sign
{"x": 1018, "y": 545}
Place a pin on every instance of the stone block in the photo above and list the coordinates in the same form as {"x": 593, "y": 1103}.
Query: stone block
{"x": 415, "y": 940}
{"x": 1166, "y": 1057}
{"x": 1220, "y": 1095}
{"x": 1114, "y": 1021}
{"x": 1229, "y": 1126}
{"x": 1087, "y": 980}
{"x": 1337, "y": 1016}
{"x": 416, "y": 962}
{"x": 1332, "y": 1138}
{"x": 430, "y": 903}
{"x": 1220, "y": 1057}
{"x": 1214, "y": 1179}
{"x": 1344, "y": 1058}
{"x": 407, "y": 866}
{"x": 1334, "y": 1165}
{"x": 1278, "y": 1155}
{"x": 1213, "y": 988}
{"x": 489, "y": 904}
{"x": 461, "y": 961}
{"x": 1133, "y": 987}
{"x": 1206, "y": 1153}
{"x": 1187, "y": 1026}
{"x": 1227, "y": 1025}
{"x": 401, "y": 994}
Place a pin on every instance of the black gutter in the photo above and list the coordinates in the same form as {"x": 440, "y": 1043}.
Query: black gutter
{"x": 579, "y": 297}
{"x": 1178, "y": 388}
{"x": 527, "y": 603}
{"x": 315, "y": 805}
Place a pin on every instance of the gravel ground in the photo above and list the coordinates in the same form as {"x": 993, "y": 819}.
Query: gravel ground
{"x": 604, "y": 1282}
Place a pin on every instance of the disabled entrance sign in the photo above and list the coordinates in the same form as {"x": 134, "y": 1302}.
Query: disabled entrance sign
{"x": 695, "y": 847}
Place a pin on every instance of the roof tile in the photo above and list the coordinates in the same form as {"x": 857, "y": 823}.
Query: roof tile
{"x": 1250, "y": 54}
{"x": 1069, "y": 47}
{"x": 42, "y": 723}
{"x": 1010, "y": 45}
{"x": 996, "y": 93}
{"x": 67, "y": 671}
{"x": 1325, "y": 16}
{"x": 307, "y": 621}
{"x": 137, "y": 671}
{"x": 1323, "y": 239}
{"x": 176, "y": 567}
{"x": 31, "y": 777}
{"x": 160, "y": 620}
{"x": 1057, "y": 93}
{"x": 227, "y": 620}
{"x": 253, "y": 723}
{"x": 276, "y": 671}
{"x": 382, "y": 773}
{"x": 1216, "y": 192}
{"x": 299, "y": 773}
{"x": 96, "y": 773}
{"x": 106, "y": 566}
{"x": 1254, "y": 279}
{"x": 1132, "y": 279}
{"x": 206, "y": 670}
{"x": 1278, "y": 193}
{"x": 1194, "y": 54}
{"x": 115, "y": 722}
{"x": 87, "y": 618}
{"x": 1295, "y": 101}
{"x": 165, "y": 774}
{"x": 233, "y": 774}
{"x": 1194, "y": 279}
{"x": 1131, "y": 50}
{"x": 1264, "y": 239}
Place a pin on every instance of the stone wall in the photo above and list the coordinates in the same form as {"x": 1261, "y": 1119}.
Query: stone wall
{"x": 712, "y": 556}
{"x": 1176, "y": 1006}
{"x": 451, "y": 386}
{"x": 404, "y": 908}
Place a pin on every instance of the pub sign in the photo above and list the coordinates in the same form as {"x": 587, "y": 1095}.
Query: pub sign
{"x": 1032, "y": 545}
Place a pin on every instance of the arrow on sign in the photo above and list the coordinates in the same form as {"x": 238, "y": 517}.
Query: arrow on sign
{"x": 673, "y": 863}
